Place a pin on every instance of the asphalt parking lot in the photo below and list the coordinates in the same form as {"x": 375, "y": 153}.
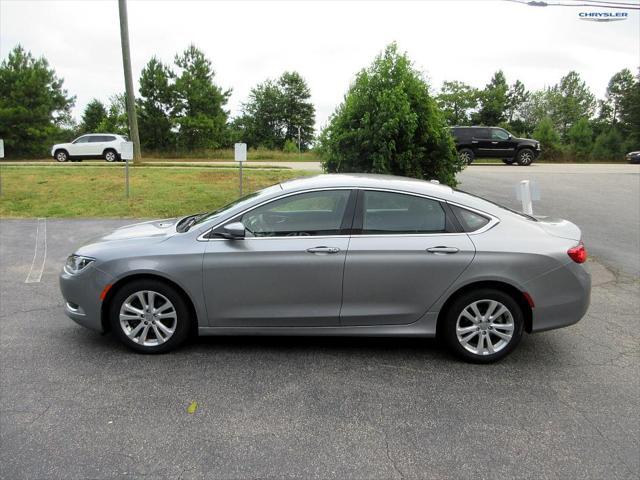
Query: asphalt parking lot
{"x": 565, "y": 404}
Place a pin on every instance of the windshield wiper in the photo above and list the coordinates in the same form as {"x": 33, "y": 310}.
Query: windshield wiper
{"x": 187, "y": 222}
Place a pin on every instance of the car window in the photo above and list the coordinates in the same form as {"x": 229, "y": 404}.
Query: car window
{"x": 497, "y": 134}
{"x": 396, "y": 213}
{"x": 305, "y": 214}
{"x": 81, "y": 140}
{"x": 470, "y": 221}
{"x": 108, "y": 138}
{"x": 96, "y": 139}
{"x": 481, "y": 133}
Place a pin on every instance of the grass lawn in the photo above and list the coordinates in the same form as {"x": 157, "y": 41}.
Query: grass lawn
{"x": 100, "y": 192}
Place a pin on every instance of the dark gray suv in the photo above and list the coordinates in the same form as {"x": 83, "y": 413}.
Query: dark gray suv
{"x": 494, "y": 142}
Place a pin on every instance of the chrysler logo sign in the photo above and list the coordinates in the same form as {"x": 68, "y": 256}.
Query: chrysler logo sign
{"x": 603, "y": 16}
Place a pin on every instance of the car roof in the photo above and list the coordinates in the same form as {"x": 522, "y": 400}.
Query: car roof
{"x": 390, "y": 182}
{"x": 94, "y": 134}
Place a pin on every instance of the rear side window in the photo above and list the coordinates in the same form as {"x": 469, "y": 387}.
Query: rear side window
{"x": 108, "y": 138}
{"x": 396, "y": 213}
{"x": 470, "y": 221}
{"x": 95, "y": 139}
{"x": 481, "y": 133}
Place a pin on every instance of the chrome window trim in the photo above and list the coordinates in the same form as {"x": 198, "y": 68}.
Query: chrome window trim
{"x": 493, "y": 221}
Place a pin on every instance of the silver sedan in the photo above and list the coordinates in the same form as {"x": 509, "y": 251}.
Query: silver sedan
{"x": 359, "y": 255}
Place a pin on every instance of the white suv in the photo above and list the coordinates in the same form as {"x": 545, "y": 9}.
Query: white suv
{"x": 93, "y": 145}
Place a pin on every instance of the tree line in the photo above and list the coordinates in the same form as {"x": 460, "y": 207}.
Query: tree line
{"x": 389, "y": 112}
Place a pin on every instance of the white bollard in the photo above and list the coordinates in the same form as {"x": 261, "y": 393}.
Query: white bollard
{"x": 525, "y": 196}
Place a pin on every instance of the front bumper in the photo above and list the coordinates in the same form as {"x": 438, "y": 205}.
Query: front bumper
{"x": 81, "y": 294}
{"x": 561, "y": 297}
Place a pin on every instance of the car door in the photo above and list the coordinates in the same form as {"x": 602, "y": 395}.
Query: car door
{"x": 287, "y": 270}
{"x": 481, "y": 140}
{"x": 80, "y": 147}
{"x": 404, "y": 254}
{"x": 502, "y": 144}
{"x": 96, "y": 145}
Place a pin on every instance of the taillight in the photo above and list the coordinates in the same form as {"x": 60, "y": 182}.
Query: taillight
{"x": 578, "y": 253}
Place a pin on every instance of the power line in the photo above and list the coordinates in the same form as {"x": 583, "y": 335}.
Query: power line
{"x": 601, "y": 4}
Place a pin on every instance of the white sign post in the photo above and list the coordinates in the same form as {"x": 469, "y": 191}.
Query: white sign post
{"x": 526, "y": 192}
{"x": 126, "y": 153}
{"x": 240, "y": 151}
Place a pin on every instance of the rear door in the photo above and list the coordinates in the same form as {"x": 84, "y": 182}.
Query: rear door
{"x": 481, "y": 141}
{"x": 404, "y": 254}
{"x": 288, "y": 269}
{"x": 96, "y": 145}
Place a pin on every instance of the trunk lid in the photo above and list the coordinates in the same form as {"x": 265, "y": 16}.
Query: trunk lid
{"x": 559, "y": 227}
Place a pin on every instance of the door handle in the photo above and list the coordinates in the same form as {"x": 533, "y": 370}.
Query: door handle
{"x": 443, "y": 250}
{"x": 495, "y": 143}
{"x": 323, "y": 250}
{"x": 474, "y": 141}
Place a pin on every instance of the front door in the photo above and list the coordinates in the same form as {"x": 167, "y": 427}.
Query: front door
{"x": 80, "y": 147}
{"x": 401, "y": 259}
{"x": 502, "y": 144}
{"x": 288, "y": 269}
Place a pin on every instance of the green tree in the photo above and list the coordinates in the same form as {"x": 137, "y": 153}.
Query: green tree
{"x": 116, "y": 120}
{"x": 608, "y": 146}
{"x": 619, "y": 88}
{"x": 549, "y": 139}
{"x": 274, "y": 111}
{"x": 457, "y": 100}
{"x": 629, "y": 108}
{"x": 533, "y": 111}
{"x": 93, "y": 115}
{"x": 569, "y": 101}
{"x": 154, "y": 106}
{"x": 493, "y": 100}
{"x": 388, "y": 123}
{"x": 297, "y": 109}
{"x": 580, "y": 137}
{"x": 33, "y": 104}
{"x": 199, "y": 103}
{"x": 517, "y": 97}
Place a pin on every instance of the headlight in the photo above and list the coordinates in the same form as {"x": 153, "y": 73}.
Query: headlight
{"x": 77, "y": 263}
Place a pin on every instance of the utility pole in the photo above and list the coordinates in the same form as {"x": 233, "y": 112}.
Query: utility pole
{"x": 128, "y": 81}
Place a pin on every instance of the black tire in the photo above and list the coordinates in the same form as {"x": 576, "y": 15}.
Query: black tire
{"x": 110, "y": 155}
{"x": 467, "y": 156}
{"x": 466, "y": 300}
{"x": 508, "y": 161}
{"x": 525, "y": 157}
{"x": 61, "y": 156}
{"x": 180, "y": 327}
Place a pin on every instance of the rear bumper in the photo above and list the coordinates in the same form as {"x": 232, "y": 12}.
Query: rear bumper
{"x": 561, "y": 297}
{"x": 81, "y": 295}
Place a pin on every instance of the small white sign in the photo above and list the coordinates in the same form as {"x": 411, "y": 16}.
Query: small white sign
{"x": 1, "y": 148}
{"x": 241, "y": 152}
{"x": 126, "y": 150}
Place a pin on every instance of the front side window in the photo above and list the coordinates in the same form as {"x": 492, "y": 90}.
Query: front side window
{"x": 305, "y": 214}
{"x": 81, "y": 140}
{"x": 396, "y": 213}
{"x": 497, "y": 134}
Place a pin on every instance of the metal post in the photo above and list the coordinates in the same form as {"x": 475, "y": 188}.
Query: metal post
{"x": 525, "y": 195}
{"x": 241, "y": 178}
{"x": 299, "y": 150}
{"x": 128, "y": 80}
{"x": 126, "y": 176}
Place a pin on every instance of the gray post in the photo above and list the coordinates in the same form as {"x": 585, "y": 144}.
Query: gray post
{"x": 126, "y": 176}
{"x": 241, "y": 178}
{"x": 128, "y": 81}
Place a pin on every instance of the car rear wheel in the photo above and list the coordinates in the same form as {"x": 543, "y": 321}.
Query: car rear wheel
{"x": 149, "y": 316}
{"x": 525, "y": 157}
{"x": 466, "y": 155}
{"x": 61, "y": 156}
{"x": 110, "y": 156}
{"x": 483, "y": 326}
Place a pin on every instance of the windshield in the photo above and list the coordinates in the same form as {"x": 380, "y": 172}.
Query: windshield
{"x": 237, "y": 203}
{"x": 528, "y": 217}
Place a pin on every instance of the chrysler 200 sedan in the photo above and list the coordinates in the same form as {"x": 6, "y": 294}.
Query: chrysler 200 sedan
{"x": 359, "y": 255}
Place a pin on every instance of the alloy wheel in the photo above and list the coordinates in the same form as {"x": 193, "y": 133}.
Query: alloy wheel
{"x": 485, "y": 327}
{"x": 525, "y": 158}
{"x": 148, "y": 318}
{"x": 110, "y": 157}
{"x": 465, "y": 157}
{"x": 61, "y": 157}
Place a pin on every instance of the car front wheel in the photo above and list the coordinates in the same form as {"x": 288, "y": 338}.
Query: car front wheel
{"x": 483, "y": 326}
{"x": 61, "y": 156}
{"x": 525, "y": 157}
{"x": 149, "y": 316}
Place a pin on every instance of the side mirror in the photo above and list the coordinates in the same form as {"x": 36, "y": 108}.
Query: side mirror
{"x": 234, "y": 230}
{"x": 510, "y": 136}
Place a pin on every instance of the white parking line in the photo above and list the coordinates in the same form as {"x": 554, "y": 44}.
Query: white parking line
{"x": 39, "y": 254}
